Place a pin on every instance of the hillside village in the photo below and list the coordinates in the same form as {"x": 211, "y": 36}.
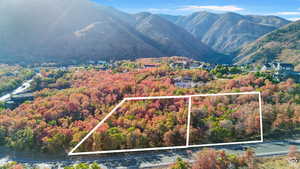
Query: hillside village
{"x": 278, "y": 70}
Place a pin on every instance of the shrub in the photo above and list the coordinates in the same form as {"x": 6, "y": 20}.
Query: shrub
{"x": 180, "y": 164}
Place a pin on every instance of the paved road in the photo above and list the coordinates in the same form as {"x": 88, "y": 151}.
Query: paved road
{"x": 23, "y": 87}
{"x": 144, "y": 159}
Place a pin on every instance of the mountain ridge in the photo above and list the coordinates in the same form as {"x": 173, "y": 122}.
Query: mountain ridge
{"x": 226, "y": 32}
{"x": 75, "y": 31}
{"x": 170, "y": 36}
{"x": 282, "y": 44}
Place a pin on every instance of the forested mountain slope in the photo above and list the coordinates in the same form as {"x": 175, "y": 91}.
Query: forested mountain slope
{"x": 282, "y": 44}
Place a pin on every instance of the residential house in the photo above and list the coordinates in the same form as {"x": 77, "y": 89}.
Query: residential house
{"x": 278, "y": 66}
{"x": 101, "y": 62}
{"x": 267, "y": 67}
{"x": 195, "y": 65}
{"x": 186, "y": 82}
{"x": 284, "y": 67}
{"x": 180, "y": 64}
{"x": 151, "y": 65}
{"x": 207, "y": 67}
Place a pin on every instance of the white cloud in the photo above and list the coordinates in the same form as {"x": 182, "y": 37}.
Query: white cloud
{"x": 287, "y": 13}
{"x": 293, "y": 19}
{"x": 230, "y": 8}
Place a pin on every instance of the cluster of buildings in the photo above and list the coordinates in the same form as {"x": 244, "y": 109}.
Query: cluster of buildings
{"x": 278, "y": 66}
{"x": 281, "y": 70}
{"x": 191, "y": 65}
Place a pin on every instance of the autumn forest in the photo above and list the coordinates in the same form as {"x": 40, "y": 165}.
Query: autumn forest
{"x": 68, "y": 104}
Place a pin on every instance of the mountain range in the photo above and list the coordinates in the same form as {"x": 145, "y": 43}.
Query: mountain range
{"x": 76, "y": 31}
{"x": 228, "y": 31}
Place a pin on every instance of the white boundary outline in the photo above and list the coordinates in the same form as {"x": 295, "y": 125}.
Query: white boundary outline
{"x": 71, "y": 153}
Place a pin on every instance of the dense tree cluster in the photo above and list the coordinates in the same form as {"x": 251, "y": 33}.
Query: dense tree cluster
{"x": 59, "y": 118}
{"x": 142, "y": 124}
{"x": 220, "y": 71}
{"x": 51, "y": 79}
{"x": 217, "y": 159}
{"x": 219, "y": 119}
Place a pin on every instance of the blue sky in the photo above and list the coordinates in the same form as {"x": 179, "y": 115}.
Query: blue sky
{"x": 289, "y": 9}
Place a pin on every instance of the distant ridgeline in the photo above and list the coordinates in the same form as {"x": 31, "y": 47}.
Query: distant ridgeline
{"x": 92, "y": 32}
